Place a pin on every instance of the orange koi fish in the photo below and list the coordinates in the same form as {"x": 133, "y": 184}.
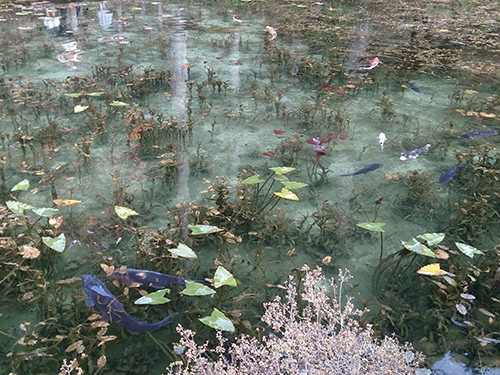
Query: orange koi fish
{"x": 375, "y": 63}
{"x": 272, "y": 31}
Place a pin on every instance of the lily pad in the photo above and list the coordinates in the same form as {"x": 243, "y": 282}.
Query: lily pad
{"x": 116, "y": 103}
{"x": 287, "y": 194}
{"x": 22, "y": 185}
{"x": 374, "y": 227}
{"x": 155, "y": 298}
{"x": 203, "y": 229}
{"x": 80, "y": 108}
{"x": 218, "y": 321}
{"x": 253, "y": 180}
{"x": 55, "y": 243}
{"x": 183, "y": 251}
{"x": 432, "y": 238}
{"x": 468, "y": 250}
{"x": 293, "y": 185}
{"x": 124, "y": 212}
{"x": 18, "y": 207}
{"x": 417, "y": 247}
{"x": 282, "y": 170}
{"x": 197, "y": 289}
{"x": 46, "y": 211}
{"x": 223, "y": 277}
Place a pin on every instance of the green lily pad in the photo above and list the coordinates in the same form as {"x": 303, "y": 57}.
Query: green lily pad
{"x": 287, "y": 194}
{"x": 55, "y": 243}
{"x": 183, "y": 251}
{"x": 22, "y": 185}
{"x": 468, "y": 250}
{"x": 155, "y": 298}
{"x": 203, "y": 229}
{"x": 417, "y": 247}
{"x": 197, "y": 289}
{"x": 223, "y": 277}
{"x": 116, "y": 103}
{"x": 46, "y": 211}
{"x": 293, "y": 185}
{"x": 218, "y": 321}
{"x": 282, "y": 170}
{"x": 18, "y": 207}
{"x": 253, "y": 180}
{"x": 432, "y": 238}
{"x": 374, "y": 227}
{"x": 124, "y": 212}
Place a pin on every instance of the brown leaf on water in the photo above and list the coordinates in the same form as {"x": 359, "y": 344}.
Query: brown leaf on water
{"x": 391, "y": 176}
{"x": 74, "y": 346}
{"x": 101, "y": 362}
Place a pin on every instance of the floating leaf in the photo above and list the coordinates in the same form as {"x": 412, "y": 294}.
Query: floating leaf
{"x": 468, "y": 250}
{"x": 461, "y": 309}
{"x": 253, "y": 180}
{"x": 183, "y": 251}
{"x": 293, "y": 185}
{"x": 441, "y": 254}
{"x": 282, "y": 170}
{"x": 23, "y": 185}
{"x": 287, "y": 194}
{"x": 116, "y": 103}
{"x": 432, "y": 238}
{"x": 95, "y": 93}
{"x": 46, "y": 211}
{"x": 449, "y": 280}
{"x": 223, "y": 277}
{"x": 124, "y": 212}
{"x": 432, "y": 270}
{"x": 65, "y": 202}
{"x": 218, "y": 321}
{"x": 417, "y": 247}
{"x": 470, "y": 92}
{"x": 467, "y": 296}
{"x": 18, "y": 207}
{"x": 75, "y": 95}
{"x": 80, "y": 108}
{"x": 74, "y": 346}
{"x": 55, "y": 243}
{"x": 374, "y": 227}
{"x": 281, "y": 177}
{"x": 155, "y": 298}
{"x": 203, "y": 229}
{"x": 197, "y": 289}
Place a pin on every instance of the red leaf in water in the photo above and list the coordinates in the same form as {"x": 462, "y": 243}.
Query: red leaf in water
{"x": 470, "y": 103}
{"x": 324, "y": 140}
{"x": 269, "y": 153}
{"x": 338, "y": 136}
{"x": 340, "y": 93}
{"x": 278, "y": 131}
{"x": 219, "y": 58}
{"x": 326, "y": 87}
{"x": 238, "y": 63}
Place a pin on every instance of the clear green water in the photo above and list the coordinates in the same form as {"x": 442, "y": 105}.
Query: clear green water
{"x": 226, "y": 88}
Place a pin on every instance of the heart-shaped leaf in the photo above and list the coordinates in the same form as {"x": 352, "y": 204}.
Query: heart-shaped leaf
{"x": 223, "y": 277}
{"x": 18, "y": 207}
{"x": 197, "y": 289}
{"x": 203, "y": 229}
{"x": 432, "y": 270}
{"x": 80, "y": 108}
{"x": 282, "y": 170}
{"x": 218, "y": 321}
{"x": 94, "y": 93}
{"x": 417, "y": 247}
{"x": 468, "y": 250}
{"x": 432, "y": 238}
{"x": 116, "y": 103}
{"x": 374, "y": 227}
{"x": 253, "y": 180}
{"x": 124, "y": 212}
{"x": 287, "y": 194}
{"x": 23, "y": 185}
{"x": 155, "y": 298}
{"x": 55, "y": 243}
{"x": 183, "y": 251}
{"x": 293, "y": 185}
{"x": 46, "y": 211}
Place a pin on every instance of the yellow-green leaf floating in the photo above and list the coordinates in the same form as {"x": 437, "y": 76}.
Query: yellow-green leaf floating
{"x": 468, "y": 250}
{"x": 203, "y": 229}
{"x": 282, "y": 170}
{"x": 57, "y": 243}
{"x": 197, "y": 289}
{"x": 183, "y": 251}
{"x": 155, "y": 298}
{"x": 18, "y": 207}
{"x": 287, "y": 194}
{"x": 124, "y": 212}
{"x": 218, "y": 321}
{"x": 22, "y": 185}
{"x": 372, "y": 226}
{"x": 80, "y": 108}
{"x": 223, "y": 277}
{"x": 253, "y": 180}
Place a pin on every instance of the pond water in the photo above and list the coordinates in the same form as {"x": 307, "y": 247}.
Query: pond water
{"x": 171, "y": 108}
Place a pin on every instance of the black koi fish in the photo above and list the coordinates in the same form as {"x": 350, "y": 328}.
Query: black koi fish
{"x": 113, "y": 311}
{"x": 151, "y": 278}
{"x": 364, "y": 170}
{"x": 448, "y": 175}
{"x": 477, "y": 134}
{"x": 413, "y": 87}
{"x": 413, "y": 154}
